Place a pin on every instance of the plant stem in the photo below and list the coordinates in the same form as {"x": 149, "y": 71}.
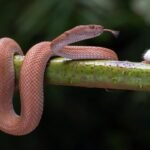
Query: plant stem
{"x": 95, "y": 73}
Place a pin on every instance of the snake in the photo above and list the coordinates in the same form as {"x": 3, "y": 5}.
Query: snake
{"x": 32, "y": 74}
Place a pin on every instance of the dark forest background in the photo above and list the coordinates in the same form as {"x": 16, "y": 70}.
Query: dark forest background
{"x": 84, "y": 118}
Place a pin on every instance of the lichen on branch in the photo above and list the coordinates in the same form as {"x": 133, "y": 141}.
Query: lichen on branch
{"x": 95, "y": 73}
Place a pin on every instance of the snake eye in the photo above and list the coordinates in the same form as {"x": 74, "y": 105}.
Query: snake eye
{"x": 94, "y": 30}
{"x": 96, "y": 27}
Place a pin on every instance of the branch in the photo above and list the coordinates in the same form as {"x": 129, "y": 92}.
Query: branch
{"x": 95, "y": 73}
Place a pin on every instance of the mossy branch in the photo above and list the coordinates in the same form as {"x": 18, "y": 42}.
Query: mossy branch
{"x": 95, "y": 73}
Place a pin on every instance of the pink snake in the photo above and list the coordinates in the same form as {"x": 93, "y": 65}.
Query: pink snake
{"x": 32, "y": 74}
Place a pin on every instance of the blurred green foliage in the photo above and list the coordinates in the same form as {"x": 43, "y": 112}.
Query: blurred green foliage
{"x": 79, "y": 118}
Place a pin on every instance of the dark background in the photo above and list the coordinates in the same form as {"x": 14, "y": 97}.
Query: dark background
{"x": 84, "y": 118}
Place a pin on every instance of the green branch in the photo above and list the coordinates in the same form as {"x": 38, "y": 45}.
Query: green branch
{"x": 96, "y": 73}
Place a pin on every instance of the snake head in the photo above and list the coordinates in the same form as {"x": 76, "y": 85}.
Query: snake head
{"x": 89, "y": 31}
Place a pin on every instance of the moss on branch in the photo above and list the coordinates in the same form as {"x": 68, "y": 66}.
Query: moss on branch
{"x": 95, "y": 73}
